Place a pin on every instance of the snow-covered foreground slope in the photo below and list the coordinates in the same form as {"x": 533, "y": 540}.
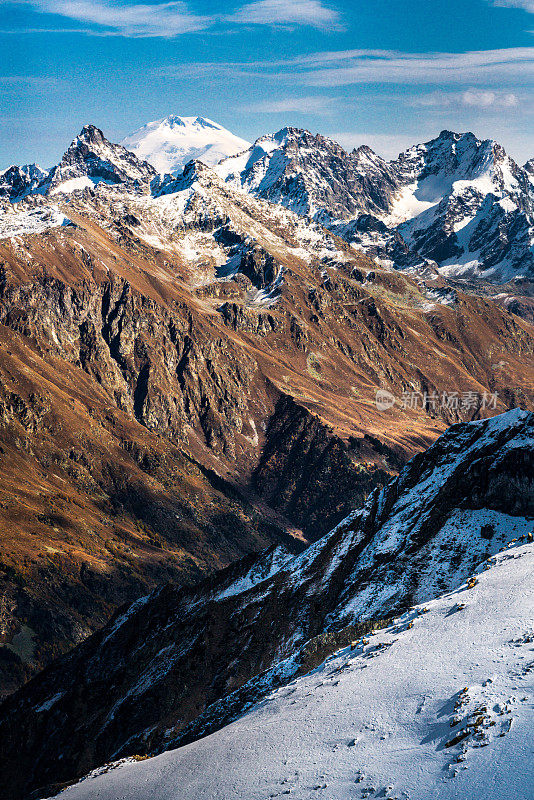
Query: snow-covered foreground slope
{"x": 169, "y": 143}
{"x": 438, "y": 705}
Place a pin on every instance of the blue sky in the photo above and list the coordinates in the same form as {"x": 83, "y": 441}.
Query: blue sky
{"x": 385, "y": 72}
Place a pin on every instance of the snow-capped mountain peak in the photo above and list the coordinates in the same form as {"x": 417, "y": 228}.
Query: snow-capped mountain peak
{"x": 310, "y": 174}
{"x": 457, "y": 201}
{"x": 458, "y": 156}
{"x": 169, "y": 143}
{"x": 90, "y": 134}
{"x": 92, "y": 159}
{"x": 465, "y": 204}
{"x": 17, "y": 182}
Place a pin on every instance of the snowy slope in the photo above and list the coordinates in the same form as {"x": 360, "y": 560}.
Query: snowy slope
{"x": 180, "y": 665}
{"x": 223, "y": 228}
{"x": 33, "y": 221}
{"x": 169, "y": 143}
{"x": 437, "y": 706}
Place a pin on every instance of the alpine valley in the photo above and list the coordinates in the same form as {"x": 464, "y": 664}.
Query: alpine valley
{"x": 266, "y": 469}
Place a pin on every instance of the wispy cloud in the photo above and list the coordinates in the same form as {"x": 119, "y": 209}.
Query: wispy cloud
{"x": 352, "y": 67}
{"x": 26, "y": 31}
{"x": 138, "y": 20}
{"x": 288, "y": 12}
{"x": 173, "y": 18}
{"x": 526, "y": 5}
{"x": 303, "y": 105}
{"x": 356, "y": 67}
{"x": 483, "y": 99}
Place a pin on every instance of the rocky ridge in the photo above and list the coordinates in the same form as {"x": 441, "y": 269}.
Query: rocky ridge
{"x": 456, "y": 201}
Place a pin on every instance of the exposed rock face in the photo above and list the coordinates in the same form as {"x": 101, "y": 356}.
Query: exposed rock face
{"x": 17, "y": 182}
{"x": 301, "y": 456}
{"x": 91, "y": 159}
{"x": 312, "y": 175}
{"x": 467, "y": 206}
{"x": 177, "y": 665}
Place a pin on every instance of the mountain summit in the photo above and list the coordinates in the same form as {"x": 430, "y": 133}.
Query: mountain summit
{"x": 312, "y": 175}
{"x": 92, "y": 159}
{"x": 169, "y": 143}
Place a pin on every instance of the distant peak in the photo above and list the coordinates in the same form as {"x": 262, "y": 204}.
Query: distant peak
{"x": 90, "y": 133}
{"x": 364, "y": 150}
{"x": 289, "y": 132}
{"x": 169, "y": 143}
{"x": 173, "y": 120}
{"x": 456, "y": 137}
{"x": 446, "y": 134}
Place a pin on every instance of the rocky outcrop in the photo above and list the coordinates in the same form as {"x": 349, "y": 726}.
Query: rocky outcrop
{"x": 17, "y": 182}
{"x": 302, "y": 457}
{"x": 92, "y": 159}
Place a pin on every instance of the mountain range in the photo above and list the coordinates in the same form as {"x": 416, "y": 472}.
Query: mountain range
{"x": 456, "y": 203}
{"x": 277, "y": 401}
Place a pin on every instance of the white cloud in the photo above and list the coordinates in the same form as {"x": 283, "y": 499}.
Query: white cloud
{"x": 172, "y": 18}
{"x": 352, "y": 67}
{"x": 139, "y": 20}
{"x": 526, "y": 5}
{"x": 474, "y": 98}
{"x": 485, "y": 99}
{"x": 355, "y": 67}
{"x": 303, "y": 105}
{"x": 284, "y": 12}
